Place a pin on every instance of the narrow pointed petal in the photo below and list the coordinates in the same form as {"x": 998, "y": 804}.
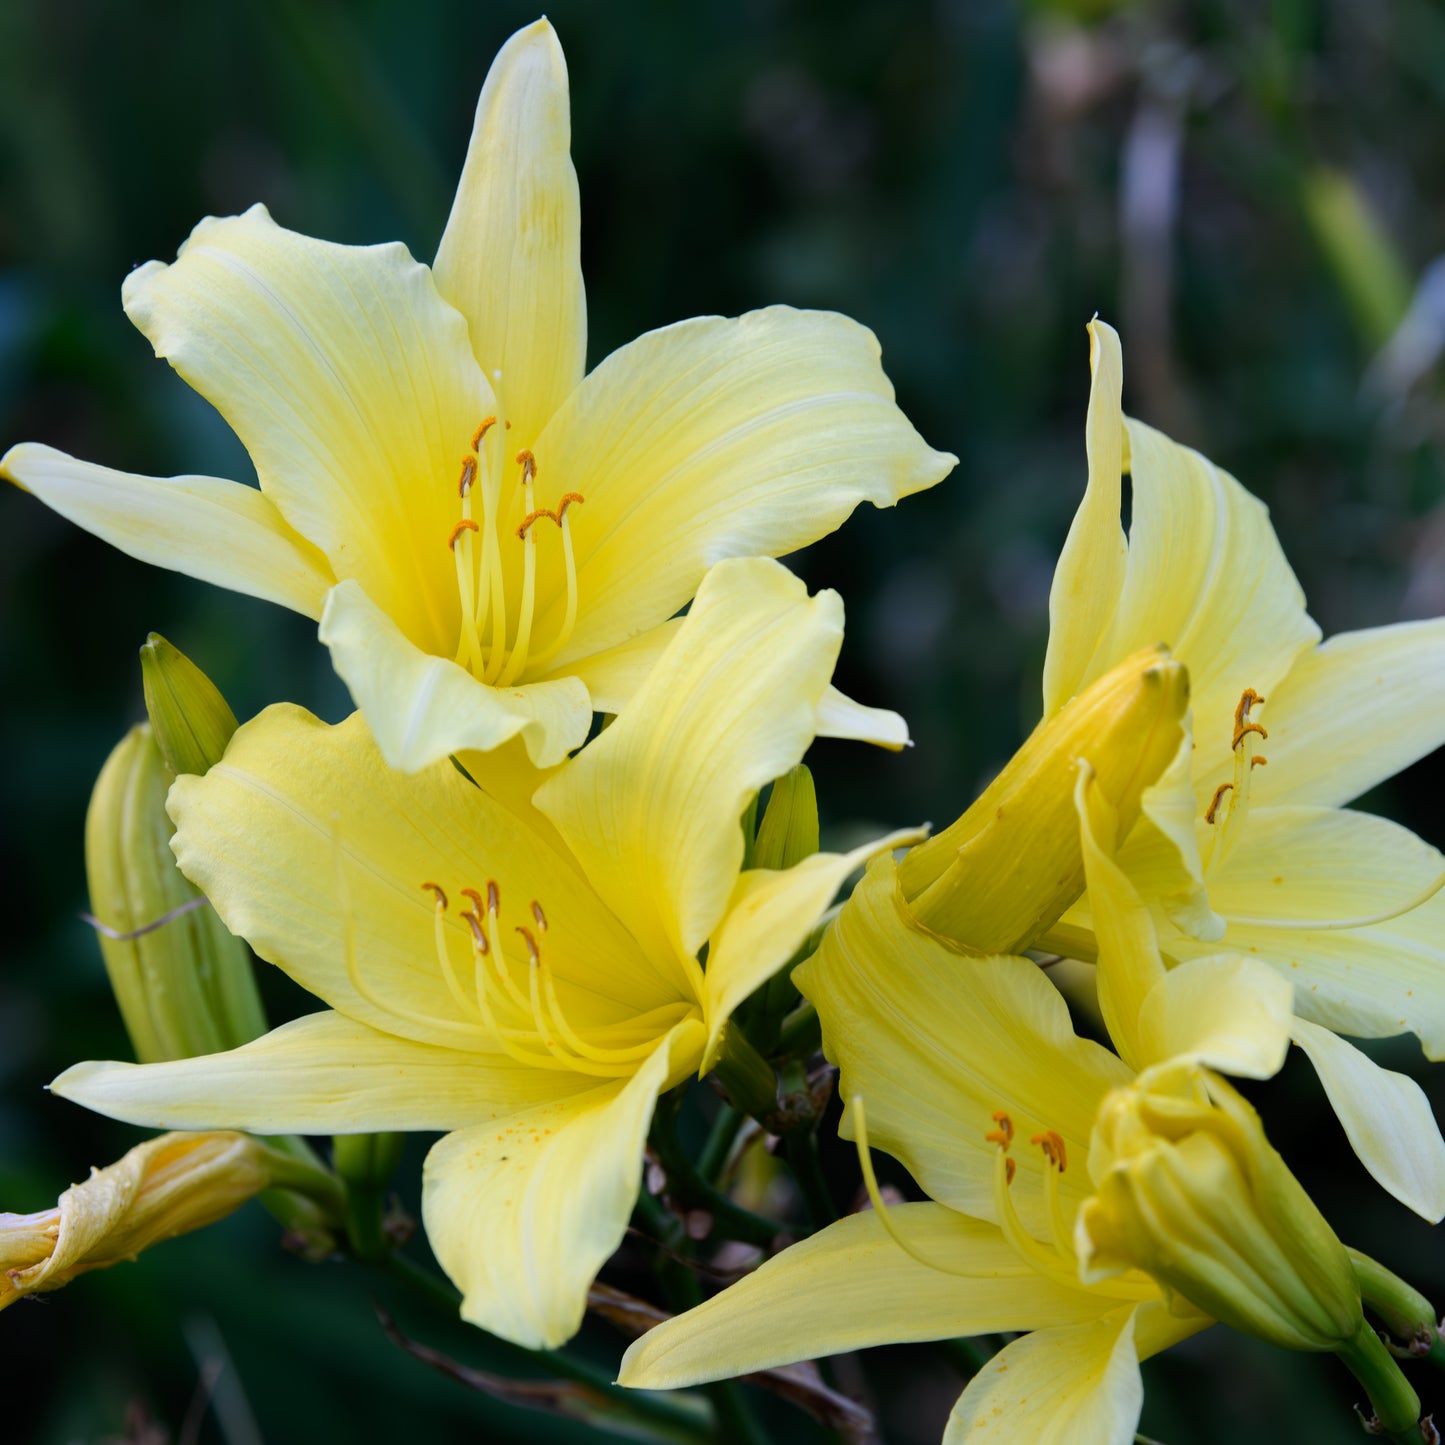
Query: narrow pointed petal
{"x": 1230, "y": 1013}
{"x": 935, "y": 1042}
{"x": 350, "y": 382}
{"x": 297, "y": 810}
{"x": 1355, "y": 711}
{"x": 205, "y": 527}
{"x": 320, "y": 1074}
{"x": 1077, "y": 1385}
{"x": 850, "y": 1286}
{"x": 768, "y": 917}
{"x": 1090, "y": 572}
{"x": 650, "y": 808}
{"x": 420, "y": 708}
{"x": 1301, "y": 865}
{"x": 720, "y": 438}
{"x": 1386, "y": 1117}
{"x": 840, "y": 717}
{"x": 510, "y": 258}
{"x": 522, "y": 1212}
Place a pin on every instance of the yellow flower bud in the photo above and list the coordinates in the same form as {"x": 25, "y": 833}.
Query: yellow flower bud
{"x": 191, "y": 721}
{"x": 1009, "y": 867}
{"x": 182, "y": 980}
{"x": 1191, "y": 1191}
{"x": 167, "y": 1186}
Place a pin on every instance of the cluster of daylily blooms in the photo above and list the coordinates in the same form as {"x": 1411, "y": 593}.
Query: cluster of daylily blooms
{"x": 525, "y": 930}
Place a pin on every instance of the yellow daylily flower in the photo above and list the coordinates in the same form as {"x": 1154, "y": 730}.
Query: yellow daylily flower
{"x": 521, "y": 973}
{"x": 1244, "y": 844}
{"x": 1077, "y": 1236}
{"x": 164, "y": 1187}
{"x": 492, "y": 540}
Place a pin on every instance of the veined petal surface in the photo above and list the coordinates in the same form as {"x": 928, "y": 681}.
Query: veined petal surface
{"x": 510, "y": 258}
{"x": 350, "y": 382}
{"x": 850, "y": 1286}
{"x": 935, "y": 1043}
{"x": 215, "y": 530}
{"x": 320, "y": 1074}
{"x": 420, "y": 707}
{"x": 297, "y": 809}
{"x": 650, "y": 807}
{"x": 523, "y": 1211}
{"x": 719, "y": 438}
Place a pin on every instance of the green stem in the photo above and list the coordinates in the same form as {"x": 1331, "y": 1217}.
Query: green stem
{"x": 1407, "y": 1314}
{"x": 1396, "y": 1405}
{"x": 692, "y": 1190}
{"x": 801, "y": 1033}
{"x": 297, "y": 1170}
{"x": 807, "y": 1167}
{"x": 719, "y": 1146}
{"x": 746, "y": 1075}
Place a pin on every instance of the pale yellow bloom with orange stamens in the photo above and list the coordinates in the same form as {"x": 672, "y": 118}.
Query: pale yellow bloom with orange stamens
{"x": 494, "y": 542}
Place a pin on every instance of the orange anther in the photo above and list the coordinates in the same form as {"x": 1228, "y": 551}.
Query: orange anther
{"x": 533, "y": 952}
{"x": 1258, "y": 760}
{"x": 487, "y": 424}
{"x": 536, "y": 517}
{"x": 465, "y": 525}
{"x": 1003, "y": 1136}
{"x": 567, "y": 499}
{"x": 476, "y": 900}
{"x": 468, "y": 476}
{"x": 440, "y": 892}
{"x": 1010, "y": 1166}
{"x": 1053, "y": 1146}
{"x": 494, "y": 896}
{"x": 528, "y": 464}
{"x": 1242, "y": 725}
{"x": 479, "y": 939}
{"x": 539, "y": 915}
{"x": 1240, "y": 733}
{"x": 1213, "y": 807}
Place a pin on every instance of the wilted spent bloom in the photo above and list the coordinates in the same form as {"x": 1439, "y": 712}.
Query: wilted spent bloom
{"x": 167, "y": 1186}
{"x": 182, "y": 980}
{"x": 1193, "y": 1193}
{"x": 191, "y": 721}
{"x": 1009, "y": 867}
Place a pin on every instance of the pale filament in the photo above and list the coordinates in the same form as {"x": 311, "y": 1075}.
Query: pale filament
{"x": 529, "y": 1023}
{"x": 482, "y": 640}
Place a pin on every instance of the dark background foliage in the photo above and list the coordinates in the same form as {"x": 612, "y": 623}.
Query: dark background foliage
{"x": 1250, "y": 192}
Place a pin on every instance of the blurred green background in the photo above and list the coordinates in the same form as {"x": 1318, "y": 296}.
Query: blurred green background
{"x": 1250, "y": 192}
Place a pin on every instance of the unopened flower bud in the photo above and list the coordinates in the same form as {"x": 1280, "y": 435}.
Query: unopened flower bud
{"x": 1191, "y": 1191}
{"x": 996, "y": 879}
{"x": 789, "y": 830}
{"x": 190, "y": 720}
{"x": 182, "y": 980}
{"x": 167, "y": 1186}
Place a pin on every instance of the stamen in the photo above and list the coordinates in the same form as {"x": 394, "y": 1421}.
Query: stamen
{"x": 539, "y": 915}
{"x": 465, "y": 525}
{"x": 441, "y": 895}
{"x": 567, "y": 499}
{"x": 1247, "y": 699}
{"x": 523, "y": 640}
{"x": 476, "y": 900}
{"x": 1215, "y": 801}
{"x": 528, "y": 464}
{"x": 487, "y": 424}
{"x": 569, "y": 620}
{"x": 1053, "y": 1146}
{"x": 478, "y": 937}
{"x": 1241, "y": 733}
{"x": 1258, "y": 760}
{"x": 1004, "y": 1134}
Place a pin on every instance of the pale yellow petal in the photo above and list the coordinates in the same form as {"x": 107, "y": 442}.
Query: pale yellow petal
{"x": 1077, "y": 1385}
{"x": 935, "y": 1042}
{"x": 613, "y": 676}
{"x": 1354, "y": 711}
{"x": 320, "y": 1074}
{"x": 768, "y": 917}
{"x": 840, "y": 717}
{"x": 1297, "y": 866}
{"x": 205, "y": 527}
{"x": 350, "y": 382}
{"x": 1386, "y": 1117}
{"x": 510, "y": 258}
{"x": 850, "y": 1286}
{"x": 295, "y": 802}
{"x": 1229, "y": 1012}
{"x": 420, "y": 708}
{"x": 712, "y": 439}
{"x": 651, "y": 807}
{"x": 522, "y": 1212}
{"x": 1090, "y": 571}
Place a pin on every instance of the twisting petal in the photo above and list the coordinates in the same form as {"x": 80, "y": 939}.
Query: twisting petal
{"x": 849, "y": 1287}
{"x": 712, "y": 439}
{"x": 215, "y": 530}
{"x": 1353, "y": 712}
{"x": 510, "y": 259}
{"x": 523, "y": 1211}
{"x": 895, "y": 1005}
{"x": 321, "y": 1074}
{"x": 420, "y": 707}
{"x": 650, "y": 808}
{"x": 1386, "y": 1116}
{"x": 295, "y": 802}
{"x": 350, "y": 382}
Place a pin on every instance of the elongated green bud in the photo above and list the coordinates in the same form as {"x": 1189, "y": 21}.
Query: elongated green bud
{"x": 191, "y": 721}
{"x": 182, "y": 980}
{"x": 996, "y": 879}
{"x": 789, "y": 830}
